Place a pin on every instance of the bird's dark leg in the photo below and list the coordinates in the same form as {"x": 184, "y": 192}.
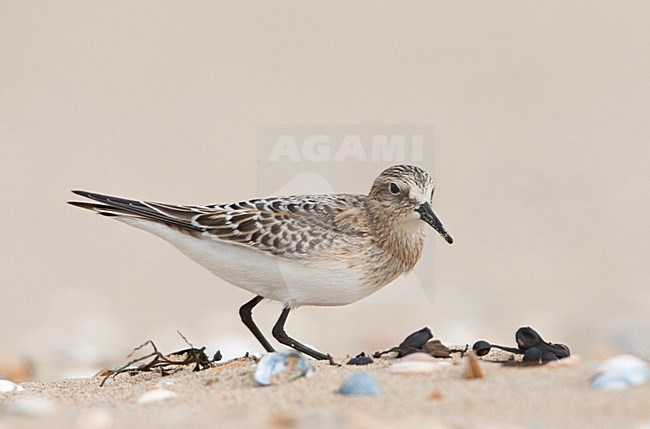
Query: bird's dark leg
{"x": 281, "y": 336}
{"x": 246, "y": 313}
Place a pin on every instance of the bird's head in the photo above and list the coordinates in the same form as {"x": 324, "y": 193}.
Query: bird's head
{"x": 402, "y": 195}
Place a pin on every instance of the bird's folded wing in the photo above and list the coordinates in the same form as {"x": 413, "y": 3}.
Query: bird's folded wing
{"x": 293, "y": 227}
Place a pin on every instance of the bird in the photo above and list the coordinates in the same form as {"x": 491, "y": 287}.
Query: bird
{"x": 300, "y": 250}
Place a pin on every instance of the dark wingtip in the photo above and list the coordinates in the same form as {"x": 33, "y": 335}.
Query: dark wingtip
{"x": 448, "y": 239}
{"x": 82, "y": 204}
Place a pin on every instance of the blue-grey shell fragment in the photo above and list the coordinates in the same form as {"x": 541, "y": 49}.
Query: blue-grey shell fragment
{"x": 360, "y": 359}
{"x": 360, "y": 384}
{"x": 620, "y": 372}
{"x": 280, "y": 367}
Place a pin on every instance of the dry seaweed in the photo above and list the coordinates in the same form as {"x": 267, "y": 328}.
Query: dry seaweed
{"x": 531, "y": 345}
{"x": 166, "y": 364}
{"x": 421, "y": 342}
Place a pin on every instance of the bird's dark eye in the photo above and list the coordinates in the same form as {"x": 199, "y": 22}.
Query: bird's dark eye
{"x": 394, "y": 188}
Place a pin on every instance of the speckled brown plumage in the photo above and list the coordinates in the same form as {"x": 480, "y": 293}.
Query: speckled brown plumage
{"x": 373, "y": 233}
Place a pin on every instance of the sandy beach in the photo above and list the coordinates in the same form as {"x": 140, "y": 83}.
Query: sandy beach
{"x": 227, "y": 396}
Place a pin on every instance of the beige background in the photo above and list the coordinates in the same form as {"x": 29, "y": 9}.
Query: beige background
{"x": 542, "y": 131}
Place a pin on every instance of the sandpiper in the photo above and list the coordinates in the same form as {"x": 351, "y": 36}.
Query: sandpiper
{"x": 299, "y": 250}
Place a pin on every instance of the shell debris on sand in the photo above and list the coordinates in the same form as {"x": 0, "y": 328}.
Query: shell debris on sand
{"x": 166, "y": 382}
{"x": 417, "y": 363}
{"x": 96, "y": 417}
{"x": 32, "y": 407}
{"x": 7, "y": 386}
{"x": 360, "y": 359}
{"x": 280, "y": 367}
{"x": 473, "y": 367}
{"x": 360, "y": 384}
{"x": 156, "y": 395}
{"x": 620, "y": 372}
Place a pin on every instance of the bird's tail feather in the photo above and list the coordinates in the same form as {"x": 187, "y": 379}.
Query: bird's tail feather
{"x": 116, "y": 206}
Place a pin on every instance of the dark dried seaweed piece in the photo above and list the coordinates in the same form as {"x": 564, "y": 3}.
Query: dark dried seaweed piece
{"x": 533, "y": 354}
{"x": 436, "y": 349}
{"x": 411, "y": 344}
{"x": 531, "y": 345}
{"x": 420, "y": 342}
{"x": 527, "y": 337}
{"x": 417, "y": 339}
{"x": 166, "y": 364}
{"x": 482, "y": 347}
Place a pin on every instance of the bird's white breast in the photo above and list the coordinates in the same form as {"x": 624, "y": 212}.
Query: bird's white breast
{"x": 292, "y": 282}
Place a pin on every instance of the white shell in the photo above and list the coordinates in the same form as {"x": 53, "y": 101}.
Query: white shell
{"x": 360, "y": 384}
{"x": 275, "y": 368}
{"x": 32, "y": 407}
{"x": 622, "y": 362}
{"x": 417, "y": 363}
{"x": 166, "y": 382}
{"x": 156, "y": 395}
{"x": 94, "y": 418}
{"x": 10, "y": 386}
{"x": 620, "y": 372}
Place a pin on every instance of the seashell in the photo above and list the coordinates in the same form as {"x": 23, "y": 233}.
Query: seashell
{"x": 360, "y": 359}
{"x": 419, "y": 357}
{"x": 7, "y": 386}
{"x": 156, "y": 395}
{"x": 622, "y": 362}
{"x": 360, "y": 384}
{"x": 280, "y": 367}
{"x": 32, "y": 407}
{"x": 94, "y": 418}
{"x": 473, "y": 368}
{"x": 620, "y": 372}
{"x": 618, "y": 380}
{"x": 166, "y": 382}
{"x": 416, "y": 363}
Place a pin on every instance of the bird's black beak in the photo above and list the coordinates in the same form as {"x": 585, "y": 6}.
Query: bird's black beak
{"x": 427, "y": 215}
